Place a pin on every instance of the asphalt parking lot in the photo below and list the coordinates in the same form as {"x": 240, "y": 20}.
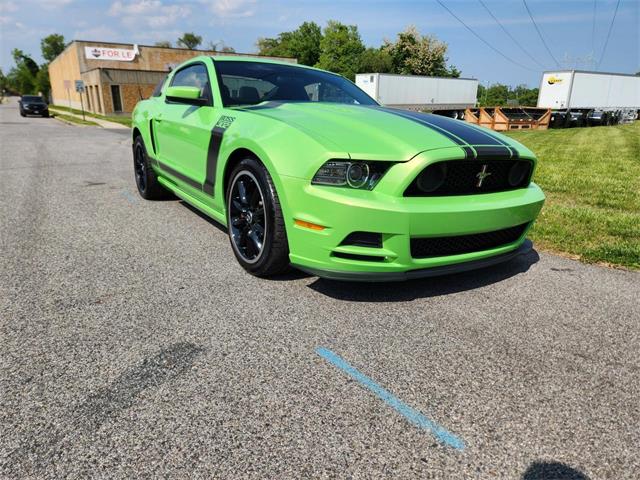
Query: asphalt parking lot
{"x": 133, "y": 345}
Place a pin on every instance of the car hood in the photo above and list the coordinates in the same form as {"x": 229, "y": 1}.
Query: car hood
{"x": 374, "y": 132}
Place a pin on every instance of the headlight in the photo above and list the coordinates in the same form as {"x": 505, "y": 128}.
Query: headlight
{"x": 351, "y": 173}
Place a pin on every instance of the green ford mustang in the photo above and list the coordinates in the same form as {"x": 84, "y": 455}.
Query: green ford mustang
{"x": 307, "y": 170}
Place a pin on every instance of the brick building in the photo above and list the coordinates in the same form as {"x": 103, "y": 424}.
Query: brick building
{"x": 116, "y": 75}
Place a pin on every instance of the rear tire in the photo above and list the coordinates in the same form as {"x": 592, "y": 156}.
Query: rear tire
{"x": 146, "y": 179}
{"x": 255, "y": 222}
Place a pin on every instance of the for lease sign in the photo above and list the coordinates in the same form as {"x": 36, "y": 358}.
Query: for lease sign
{"x": 117, "y": 54}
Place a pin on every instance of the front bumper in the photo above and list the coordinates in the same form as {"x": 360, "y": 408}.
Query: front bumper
{"x": 523, "y": 249}
{"x": 343, "y": 211}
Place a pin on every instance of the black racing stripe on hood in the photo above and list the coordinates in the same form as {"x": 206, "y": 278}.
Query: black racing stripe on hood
{"x": 468, "y": 151}
{"x": 467, "y": 133}
{"x": 460, "y": 133}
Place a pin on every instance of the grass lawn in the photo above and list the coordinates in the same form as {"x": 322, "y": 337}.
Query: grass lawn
{"x": 591, "y": 177}
{"x": 72, "y": 119}
{"x": 111, "y": 118}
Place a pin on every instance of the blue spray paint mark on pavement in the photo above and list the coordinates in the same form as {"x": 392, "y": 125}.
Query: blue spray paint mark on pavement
{"x": 411, "y": 414}
{"x": 129, "y": 197}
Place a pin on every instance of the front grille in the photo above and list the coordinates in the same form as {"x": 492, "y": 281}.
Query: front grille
{"x": 459, "y": 244}
{"x": 463, "y": 177}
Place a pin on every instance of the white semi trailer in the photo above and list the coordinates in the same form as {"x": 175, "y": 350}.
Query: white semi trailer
{"x": 447, "y": 96}
{"x": 580, "y": 98}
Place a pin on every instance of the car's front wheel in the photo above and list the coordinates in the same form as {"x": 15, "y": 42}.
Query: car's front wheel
{"x": 146, "y": 180}
{"x": 255, "y": 221}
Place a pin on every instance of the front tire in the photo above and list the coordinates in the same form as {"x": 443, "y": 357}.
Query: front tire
{"x": 146, "y": 180}
{"x": 255, "y": 222}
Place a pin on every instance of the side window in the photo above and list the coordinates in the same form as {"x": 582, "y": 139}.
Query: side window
{"x": 193, "y": 76}
{"x": 238, "y": 90}
{"x": 158, "y": 90}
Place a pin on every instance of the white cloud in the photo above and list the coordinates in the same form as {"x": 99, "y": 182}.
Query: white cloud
{"x": 100, "y": 33}
{"x": 232, "y": 8}
{"x": 150, "y": 13}
{"x": 52, "y": 4}
{"x": 7, "y": 7}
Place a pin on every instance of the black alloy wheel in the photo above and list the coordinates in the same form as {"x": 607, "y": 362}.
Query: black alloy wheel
{"x": 248, "y": 221}
{"x": 255, "y": 221}
{"x": 139, "y": 168}
{"x": 146, "y": 179}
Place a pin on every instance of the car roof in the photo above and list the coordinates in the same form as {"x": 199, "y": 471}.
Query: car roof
{"x": 258, "y": 59}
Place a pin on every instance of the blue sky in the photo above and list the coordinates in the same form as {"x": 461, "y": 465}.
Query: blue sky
{"x": 566, "y": 25}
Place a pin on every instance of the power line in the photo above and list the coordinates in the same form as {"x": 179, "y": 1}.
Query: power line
{"x": 606, "y": 42}
{"x": 540, "y": 33}
{"x": 509, "y": 34}
{"x": 483, "y": 40}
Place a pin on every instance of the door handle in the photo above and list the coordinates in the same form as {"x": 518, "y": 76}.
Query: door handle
{"x": 158, "y": 118}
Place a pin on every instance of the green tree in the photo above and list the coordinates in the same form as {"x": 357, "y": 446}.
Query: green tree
{"x": 498, "y": 95}
{"x": 163, "y": 44}
{"x": 4, "y": 84}
{"x": 22, "y": 77}
{"x": 302, "y": 44}
{"x": 340, "y": 49}
{"x": 52, "y": 46}
{"x": 189, "y": 40}
{"x": 416, "y": 54}
{"x": 375, "y": 60}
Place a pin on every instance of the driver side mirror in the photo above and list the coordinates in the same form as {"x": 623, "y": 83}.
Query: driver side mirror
{"x": 187, "y": 95}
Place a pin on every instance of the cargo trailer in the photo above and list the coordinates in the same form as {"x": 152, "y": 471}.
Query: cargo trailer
{"x": 580, "y": 98}
{"x": 443, "y": 95}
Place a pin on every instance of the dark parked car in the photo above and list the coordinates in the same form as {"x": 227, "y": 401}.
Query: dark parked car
{"x": 33, "y": 105}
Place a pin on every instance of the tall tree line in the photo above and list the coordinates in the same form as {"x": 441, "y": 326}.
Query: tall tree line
{"x": 339, "y": 48}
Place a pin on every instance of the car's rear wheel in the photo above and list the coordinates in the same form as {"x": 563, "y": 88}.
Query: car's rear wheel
{"x": 255, "y": 222}
{"x": 146, "y": 179}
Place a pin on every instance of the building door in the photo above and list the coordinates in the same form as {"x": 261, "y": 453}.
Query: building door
{"x": 115, "y": 95}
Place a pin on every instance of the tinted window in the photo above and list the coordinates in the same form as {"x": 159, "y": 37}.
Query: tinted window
{"x": 158, "y": 90}
{"x": 250, "y": 83}
{"x": 32, "y": 99}
{"x": 193, "y": 76}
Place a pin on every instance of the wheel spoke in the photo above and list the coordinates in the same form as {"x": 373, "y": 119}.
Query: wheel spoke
{"x": 257, "y": 242}
{"x": 242, "y": 191}
{"x": 236, "y": 204}
{"x": 237, "y": 221}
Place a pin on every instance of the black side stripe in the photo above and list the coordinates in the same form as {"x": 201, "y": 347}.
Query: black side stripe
{"x": 212, "y": 160}
{"x": 180, "y": 176}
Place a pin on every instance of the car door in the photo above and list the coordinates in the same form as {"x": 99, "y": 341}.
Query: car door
{"x": 183, "y": 131}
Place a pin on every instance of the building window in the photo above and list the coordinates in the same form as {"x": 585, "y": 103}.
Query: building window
{"x": 88, "y": 91}
{"x": 117, "y": 100}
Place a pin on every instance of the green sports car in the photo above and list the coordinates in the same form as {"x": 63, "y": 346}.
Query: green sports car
{"x": 305, "y": 169}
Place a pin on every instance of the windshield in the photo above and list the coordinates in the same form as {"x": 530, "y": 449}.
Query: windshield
{"x": 250, "y": 83}
{"x": 32, "y": 99}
